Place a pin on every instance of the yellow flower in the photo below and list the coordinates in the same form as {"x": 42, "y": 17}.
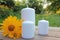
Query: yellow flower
{"x": 12, "y": 27}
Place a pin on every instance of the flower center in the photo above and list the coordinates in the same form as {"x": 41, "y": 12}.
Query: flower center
{"x": 11, "y": 28}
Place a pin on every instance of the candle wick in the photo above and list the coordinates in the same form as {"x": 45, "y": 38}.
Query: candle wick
{"x": 27, "y": 6}
{"x": 27, "y": 3}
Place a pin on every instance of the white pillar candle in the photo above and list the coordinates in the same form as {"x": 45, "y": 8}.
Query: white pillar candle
{"x": 28, "y": 29}
{"x": 28, "y": 14}
{"x": 43, "y": 27}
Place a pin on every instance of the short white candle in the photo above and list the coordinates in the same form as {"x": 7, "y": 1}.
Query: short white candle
{"x": 28, "y": 29}
{"x": 43, "y": 27}
{"x": 28, "y": 14}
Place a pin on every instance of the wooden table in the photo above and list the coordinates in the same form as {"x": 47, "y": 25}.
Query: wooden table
{"x": 54, "y": 34}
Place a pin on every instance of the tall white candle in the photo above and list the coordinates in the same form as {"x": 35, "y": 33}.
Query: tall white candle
{"x": 28, "y": 29}
{"x": 28, "y": 14}
{"x": 43, "y": 27}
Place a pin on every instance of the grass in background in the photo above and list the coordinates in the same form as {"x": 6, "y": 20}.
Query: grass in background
{"x": 53, "y": 19}
{"x": 1, "y": 20}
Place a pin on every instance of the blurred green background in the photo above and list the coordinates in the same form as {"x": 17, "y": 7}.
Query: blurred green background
{"x": 47, "y": 9}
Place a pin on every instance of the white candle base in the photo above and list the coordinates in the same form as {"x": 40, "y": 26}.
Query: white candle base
{"x": 28, "y": 29}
